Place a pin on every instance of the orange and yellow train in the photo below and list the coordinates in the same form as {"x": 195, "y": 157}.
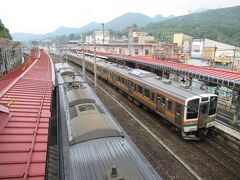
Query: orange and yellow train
{"x": 190, "y": 109}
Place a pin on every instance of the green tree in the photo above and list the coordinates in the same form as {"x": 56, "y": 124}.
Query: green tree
{"x": 4, "y": 32}
{"x": 219, "y": 24}
{"x": 72, "y": 36}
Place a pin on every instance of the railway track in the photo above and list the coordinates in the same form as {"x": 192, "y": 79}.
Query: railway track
{"x": 188, "y": 168}
{"x": 195, "y": 163}
{"x": 223, "y": 158}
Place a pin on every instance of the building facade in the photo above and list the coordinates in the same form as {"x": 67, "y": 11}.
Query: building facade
{"x": 184, "y": 42}
{"x": 217, "y": 53}
{"x": 122, "y": 48}
{"x": 142, "y": 38}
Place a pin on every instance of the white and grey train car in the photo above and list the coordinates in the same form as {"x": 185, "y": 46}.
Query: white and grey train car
{"x": 190, "y": 109}
{"x": 93, "y": 145}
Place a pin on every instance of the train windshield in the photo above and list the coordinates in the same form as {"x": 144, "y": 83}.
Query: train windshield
{"x": 213, "y": 105}
{"x": 192, "y": 109}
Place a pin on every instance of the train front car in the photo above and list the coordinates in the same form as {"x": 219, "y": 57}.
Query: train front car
{"x": 199, "y": 115}
{"x": 93, "y": 145}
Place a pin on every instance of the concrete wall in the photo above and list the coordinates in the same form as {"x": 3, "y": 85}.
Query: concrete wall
{"x": 218, "y": 45}
{"x": 180, "y": 38}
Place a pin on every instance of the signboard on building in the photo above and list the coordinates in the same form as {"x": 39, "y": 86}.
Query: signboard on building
{"x": 208, "y": 53}
{"x": 186, "y": 46}
{"x": 197, "y": 47}
{"x": 224, "y": 56}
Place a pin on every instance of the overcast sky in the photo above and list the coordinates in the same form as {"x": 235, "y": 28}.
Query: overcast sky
{"x": 44, "y": 16}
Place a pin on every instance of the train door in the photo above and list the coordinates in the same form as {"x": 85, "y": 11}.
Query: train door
{"x": 161, "y": 101}
{"x": 130, "y": 87}
{"x": 178, "y": 114}
{"x": 203, "y": 114}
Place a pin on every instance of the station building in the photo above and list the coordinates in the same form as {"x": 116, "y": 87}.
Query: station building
{"x": 218, "y": 53}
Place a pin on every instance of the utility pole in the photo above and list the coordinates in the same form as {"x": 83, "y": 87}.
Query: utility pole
{"x": 66, "y": 50}
{"x": 95, "y": 67}
{"x": 237, "y": 105}
{"x": 83, "y": 60}
{"x": 103, "y": 33}
{"x": 156, "y": 51}
{"x": 130, "y": 42}
{"x": 234, "y": 57}
{"x": 60, "y": 49}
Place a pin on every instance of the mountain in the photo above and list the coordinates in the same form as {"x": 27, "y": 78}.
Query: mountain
{"x": 128, "y": 19}
{"x": 29, "y": 36}
{"x": 4, "y": 33}
{"x": 90, "y": 27}
{"x": 19, "y": 36}
{"x": 199, "y": 10}
{"x": 219, "y": 24}
{"x": 118, "y": 23}
{"x": 159, "y": 18}
{"x": 63, "y": 30}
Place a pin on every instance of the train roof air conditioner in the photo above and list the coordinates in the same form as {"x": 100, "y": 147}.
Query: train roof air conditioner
{"x": 167, "y": 81}
{"x": 185, "y": 86}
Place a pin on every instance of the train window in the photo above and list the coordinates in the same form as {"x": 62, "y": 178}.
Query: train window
{"x": 192, "y": 109}
{"x": 104, "y": 71}
{"x": 130, "y": 84}
{"x": 163, "y": 100}
{"x": 169, "y": 105}
{"x": 213, "y": 105}
{"x": 115, "y": 77}
{"x": 204, "y": 108}
{"x": 119, "y": 78}
{"x": 152, "y": 97}
{"x": 147, "y": 93}
{"x": 159, "y": 99}
{"x": 140, "y": 89}
{"x": 123, "y": 80}
{"x": 135, "y": 87}
{"x": 204, "y": 99}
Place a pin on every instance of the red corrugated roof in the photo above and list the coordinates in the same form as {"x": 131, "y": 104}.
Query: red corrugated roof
{"x": 24, "y": 131}
{"x": 8, "y": 78}
{"x": 230, "y": 75}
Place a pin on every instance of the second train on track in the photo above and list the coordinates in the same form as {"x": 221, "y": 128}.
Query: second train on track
{"x": 190, "y": 109}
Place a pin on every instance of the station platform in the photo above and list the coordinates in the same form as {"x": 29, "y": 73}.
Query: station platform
{"x": 226, "y": 136}
{"x": 225, "y": 128}
{"x": 209, "y": 74}
{"x": 25, "y": 102}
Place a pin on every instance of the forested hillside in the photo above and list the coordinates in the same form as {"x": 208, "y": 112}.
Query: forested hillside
{"x": 4, "y": 33}
{"x": 219, "y": 24}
